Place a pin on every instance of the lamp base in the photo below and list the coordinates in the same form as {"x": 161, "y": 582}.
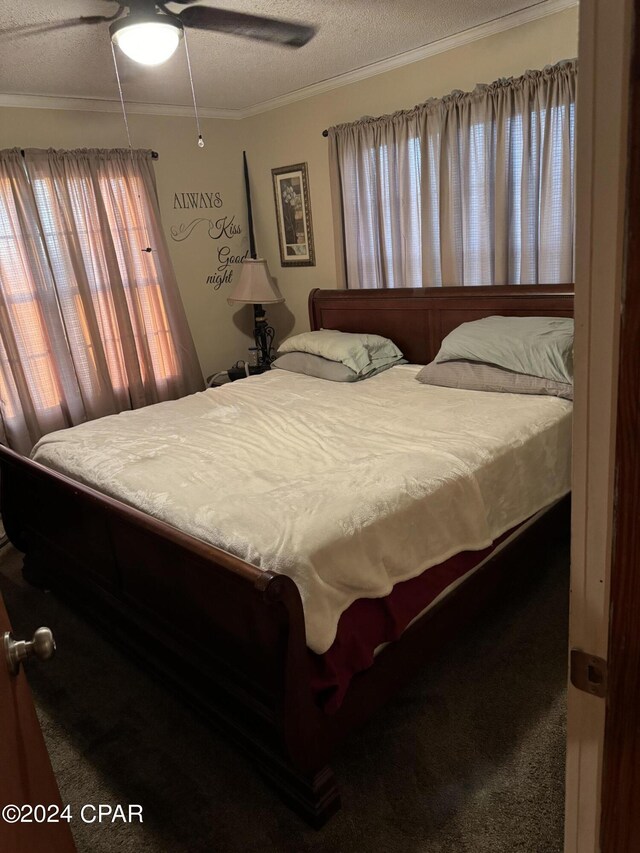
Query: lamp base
{"x": 263, "y": 335}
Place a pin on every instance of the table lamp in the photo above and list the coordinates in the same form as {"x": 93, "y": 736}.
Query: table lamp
{"x": 256, "y": 287}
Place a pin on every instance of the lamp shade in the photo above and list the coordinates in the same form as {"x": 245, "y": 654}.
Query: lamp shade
{"x": 255, "y": 285}
{"x": 148, "y": 40}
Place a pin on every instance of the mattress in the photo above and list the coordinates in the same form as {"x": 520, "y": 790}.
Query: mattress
{"x": 369, "y": 625}
{"x": 347, "y": 488}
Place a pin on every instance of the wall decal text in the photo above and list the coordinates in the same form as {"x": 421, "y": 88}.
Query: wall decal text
{"x": 191, "y": 201}
{"x": 223, "y": 229}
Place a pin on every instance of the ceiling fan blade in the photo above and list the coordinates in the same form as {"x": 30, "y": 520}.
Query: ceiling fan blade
{"x": 36, "y": 29}
{"x": 248, "y": 26}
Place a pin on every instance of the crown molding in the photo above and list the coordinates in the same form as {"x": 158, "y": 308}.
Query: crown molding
{"x": 543, "y": 9}
{"x": 540, "y": 10}
{"x": 97, "y": 105}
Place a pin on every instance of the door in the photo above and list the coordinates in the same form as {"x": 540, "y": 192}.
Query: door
{"x": 605, "y": 465}
{"x": 621, "y": 762}
{"x": 26, "y": 775}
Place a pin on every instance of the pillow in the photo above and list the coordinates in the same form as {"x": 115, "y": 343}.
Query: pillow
{"x": 322, "y": 368}
{"x": 536, "y": 346}
{"x": 315, "y": 365}
{"x": 380, "y": 363}
{"x": 474, "y": 376}
{"x": 353, "y": 350}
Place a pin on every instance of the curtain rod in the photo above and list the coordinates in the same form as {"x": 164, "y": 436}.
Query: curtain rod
{"x": 154, "y": 154}
{"x": 548, "y": 69}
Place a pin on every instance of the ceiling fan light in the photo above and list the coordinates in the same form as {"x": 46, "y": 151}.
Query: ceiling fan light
{"x": 148, "y": 42}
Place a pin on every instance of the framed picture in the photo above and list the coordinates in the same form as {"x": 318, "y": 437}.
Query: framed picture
{"x": 293, "y": 213}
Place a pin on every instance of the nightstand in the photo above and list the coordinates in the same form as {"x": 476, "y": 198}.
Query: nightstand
{"x": 232, "y": 375}
{"x": 235, "y": 373}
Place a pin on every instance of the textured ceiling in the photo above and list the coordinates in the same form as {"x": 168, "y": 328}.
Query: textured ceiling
{"x": 229, "y": 73}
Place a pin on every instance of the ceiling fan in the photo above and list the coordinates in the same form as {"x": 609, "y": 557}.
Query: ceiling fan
{"x": 149, "y": 32}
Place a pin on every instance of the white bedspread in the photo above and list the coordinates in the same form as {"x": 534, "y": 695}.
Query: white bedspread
{"x": 347, "y": 488}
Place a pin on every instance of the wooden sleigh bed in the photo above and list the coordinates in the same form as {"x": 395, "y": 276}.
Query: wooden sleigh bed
{"x": 230, "y": 636}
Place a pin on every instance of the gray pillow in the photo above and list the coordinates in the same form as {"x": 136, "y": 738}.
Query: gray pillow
{"x": 380, "y": 363}
{"x": 315, "y": 365}
{"x": 354, "y": 350}
{"x": 334, "y": 371}
{"x": 536, "y": 346}
{"x": 474, "y": 376}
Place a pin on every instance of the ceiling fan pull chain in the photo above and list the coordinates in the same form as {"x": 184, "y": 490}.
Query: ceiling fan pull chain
{"x": 193, "y": 91}
{"x": 124, "y": 112}
{"x": 126, "y": 124}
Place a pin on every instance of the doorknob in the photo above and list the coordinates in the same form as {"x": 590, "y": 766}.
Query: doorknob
{"x": 42, "y": 645}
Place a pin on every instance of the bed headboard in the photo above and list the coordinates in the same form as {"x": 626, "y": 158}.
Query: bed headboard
{"x": 417, "y": 319}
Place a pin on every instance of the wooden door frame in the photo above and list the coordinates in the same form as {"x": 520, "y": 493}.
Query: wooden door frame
{"x": 601, "y": 169}
{"x": 621, "y": 767}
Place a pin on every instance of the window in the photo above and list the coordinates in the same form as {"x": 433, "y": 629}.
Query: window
{"x": 472, "y": 189}
{"x": 126, "y": 231}
{"x": 22, "y": 314}
{"x": 85, "y": 325}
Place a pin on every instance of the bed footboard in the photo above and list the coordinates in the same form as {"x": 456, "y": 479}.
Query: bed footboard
{"x": 229, "y": 636}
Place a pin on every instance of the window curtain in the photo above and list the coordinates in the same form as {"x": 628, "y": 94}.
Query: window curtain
{"x": 471, "y": 189}
{"x": 90, "y": 323}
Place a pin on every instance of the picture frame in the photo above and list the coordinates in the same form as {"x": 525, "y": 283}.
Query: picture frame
{"x": 293, "y": 215}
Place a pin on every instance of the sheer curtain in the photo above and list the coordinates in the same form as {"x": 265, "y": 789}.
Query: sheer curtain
{"x": 474, "y": 188}
{"x": 90, "y": 323}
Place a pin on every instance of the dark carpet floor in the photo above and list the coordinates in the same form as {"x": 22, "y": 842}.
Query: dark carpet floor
{"x": 468, "y": 759}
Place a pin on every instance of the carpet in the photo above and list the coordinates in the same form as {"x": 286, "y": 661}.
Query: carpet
{"x": 469, "y": 758}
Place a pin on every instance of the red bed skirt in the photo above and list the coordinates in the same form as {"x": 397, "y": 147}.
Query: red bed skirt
{"x": 369, "y": 622}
